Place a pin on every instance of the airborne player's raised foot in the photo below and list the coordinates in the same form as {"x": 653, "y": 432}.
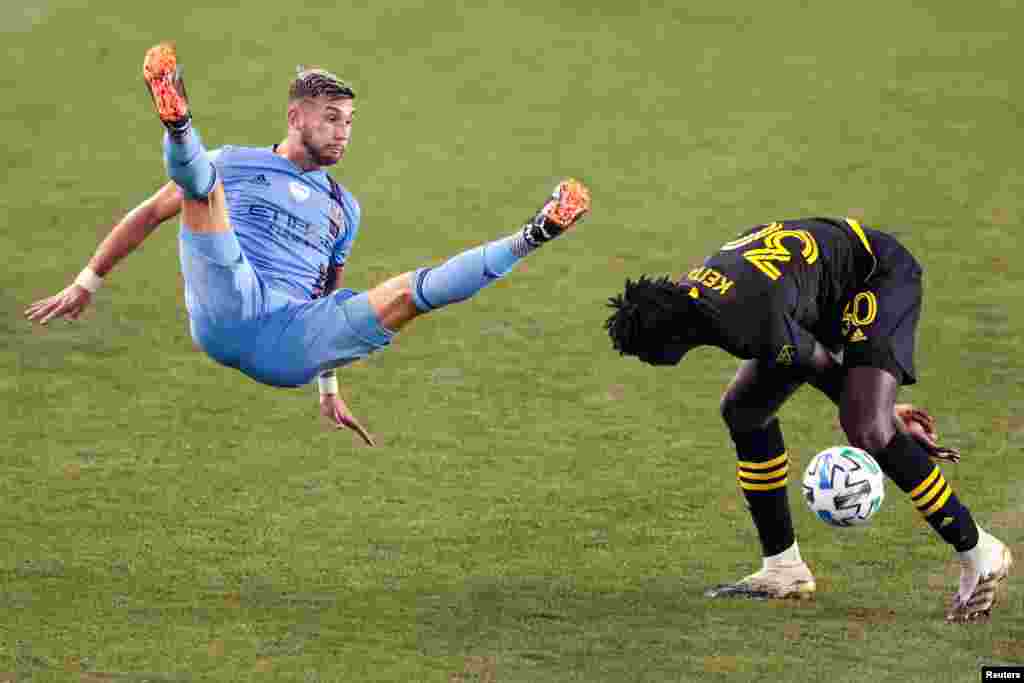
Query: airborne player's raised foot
{"x": 567, "y": 205}
{"x": 162, "y": 74}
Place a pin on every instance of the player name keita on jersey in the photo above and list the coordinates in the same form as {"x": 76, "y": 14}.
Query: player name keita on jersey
{"x": 711, "y": 278}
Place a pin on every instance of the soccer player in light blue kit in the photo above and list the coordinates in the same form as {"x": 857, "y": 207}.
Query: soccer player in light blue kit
{"x": 265, "y": 236}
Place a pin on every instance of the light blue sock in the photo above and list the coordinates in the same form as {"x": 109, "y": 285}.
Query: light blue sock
{"x": 464, "y": 275}
{"x": 187, "y": 164}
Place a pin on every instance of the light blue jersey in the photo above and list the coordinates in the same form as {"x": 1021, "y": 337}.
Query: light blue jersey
{"x": 255, "y": 293}
{"x": 290, "y": 227}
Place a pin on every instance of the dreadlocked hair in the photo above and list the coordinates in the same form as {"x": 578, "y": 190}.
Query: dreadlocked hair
{"x": 646, "y": 315}
{"x": 313, "y": 82}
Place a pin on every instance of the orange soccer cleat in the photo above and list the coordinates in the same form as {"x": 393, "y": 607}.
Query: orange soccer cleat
{"x": 163, "y": 78}
{"x": 568, "y": 204}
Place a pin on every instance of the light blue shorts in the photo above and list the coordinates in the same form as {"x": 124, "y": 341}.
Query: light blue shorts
{"x": 270, "y": 336}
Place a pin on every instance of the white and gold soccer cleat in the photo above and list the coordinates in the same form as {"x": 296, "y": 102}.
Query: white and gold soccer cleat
{"x": 979, "y": 581}
{"x": 776, "y": 582}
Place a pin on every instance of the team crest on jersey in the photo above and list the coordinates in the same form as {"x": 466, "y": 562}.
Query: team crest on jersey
{"x": 299, "y": 191}
{"x": 786, "y": 355}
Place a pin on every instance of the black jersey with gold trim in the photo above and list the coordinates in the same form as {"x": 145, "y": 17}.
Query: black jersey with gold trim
{"x": 778, "y": 287}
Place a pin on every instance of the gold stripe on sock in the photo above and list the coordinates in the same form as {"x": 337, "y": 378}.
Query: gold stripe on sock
{"x": 939, "y": 503}
{"x": 932, "y": 494}
{"x": 774, "y": 462}
{"x": 925, "y": 484}
{"x": 774, "y": 474}
{"x": 763, "y": 487}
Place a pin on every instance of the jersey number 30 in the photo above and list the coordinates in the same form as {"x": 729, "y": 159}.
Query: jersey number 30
{"x": 765, "y": 258}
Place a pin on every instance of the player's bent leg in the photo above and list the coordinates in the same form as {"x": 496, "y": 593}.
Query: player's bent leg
{"x": 222, "y": 293}
{"x": 866, "y": 407}
{"x": 187, "y": 162}
{"x": 748, "y": 408}
{"x": 402, "y": 298}
{"x": 370, "y": 319}
{"x": 865, "y": 412}
{"x": 754, "y": 395}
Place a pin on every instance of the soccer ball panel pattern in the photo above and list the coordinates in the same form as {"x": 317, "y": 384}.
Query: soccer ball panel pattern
{"x": 844, "y": 486}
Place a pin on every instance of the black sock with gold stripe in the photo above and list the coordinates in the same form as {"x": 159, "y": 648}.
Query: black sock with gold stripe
{"x": 908, "y": 465}
{"x": 762, "y": 475}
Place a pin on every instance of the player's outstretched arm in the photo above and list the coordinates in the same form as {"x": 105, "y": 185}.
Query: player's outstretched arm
{"x": 123, "y": 239}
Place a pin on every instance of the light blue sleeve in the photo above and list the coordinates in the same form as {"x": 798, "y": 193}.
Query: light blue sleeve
{"x": 343, "y": 247}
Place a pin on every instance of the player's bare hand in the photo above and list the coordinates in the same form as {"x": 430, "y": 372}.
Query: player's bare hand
{"x": 920, "y": 425}
{"x": 68, "y": 304}
{"x": 335, "y": 410}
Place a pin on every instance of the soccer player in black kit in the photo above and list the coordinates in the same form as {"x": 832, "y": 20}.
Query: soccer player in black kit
{"x": 829, "y": 303}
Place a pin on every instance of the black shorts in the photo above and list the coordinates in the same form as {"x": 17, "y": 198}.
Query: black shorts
{"x": 880, "y": 321}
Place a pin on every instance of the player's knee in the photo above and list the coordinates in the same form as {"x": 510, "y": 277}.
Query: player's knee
{"x": 871, "y": 434}
{"x": 739, "y": 417}
{"x": 393, "y": 302}
{"x": 394, "y": 296}
{"x": 403, "y": 298}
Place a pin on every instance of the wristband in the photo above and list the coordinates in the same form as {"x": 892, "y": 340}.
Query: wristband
{"x": 328, "y": 384}
{"x": 89, "y": 280}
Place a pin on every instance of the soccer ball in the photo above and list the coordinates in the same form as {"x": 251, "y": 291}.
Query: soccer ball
{"x": 844, "y": 486}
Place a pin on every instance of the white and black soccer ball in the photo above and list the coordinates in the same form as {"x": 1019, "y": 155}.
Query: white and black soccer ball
{"x": 844, "y": 486}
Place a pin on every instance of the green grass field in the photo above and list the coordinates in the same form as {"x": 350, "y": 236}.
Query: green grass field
{"x": 539, "y": 509}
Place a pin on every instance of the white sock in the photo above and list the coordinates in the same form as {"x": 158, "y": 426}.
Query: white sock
{"x": 790, "y": 555}
{"x": 978, "y": 557}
